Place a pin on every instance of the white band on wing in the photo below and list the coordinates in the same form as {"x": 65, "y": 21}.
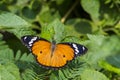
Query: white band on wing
{"x": 76, "y": 48}
{"x": 32, "y": 40}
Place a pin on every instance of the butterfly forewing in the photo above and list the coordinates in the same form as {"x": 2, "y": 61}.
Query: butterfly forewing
{"x": 78, "y": 49}
{"x": 62, "y": 54}
{"x": 29, "y": 40}
{"x": 42, "y": 50}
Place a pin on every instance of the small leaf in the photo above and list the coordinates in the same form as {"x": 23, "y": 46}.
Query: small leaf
{"x": 118, "y": 25}
{"x": 54, "y": 30}
{"x": 6, "y": 55}
{"x": 92, "y": 7}
{"x": 62, "y": 76}
{"x": 76, "y": 27}
{"x": 53, "y": 77}
{"x": 47, "y": 16}
{"x": 28, "y": 74}
{"x": 89, "y": 74}
{"x": 9, "y": 71}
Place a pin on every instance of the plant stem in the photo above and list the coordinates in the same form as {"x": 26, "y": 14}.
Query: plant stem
{"x": 69, "y": 11}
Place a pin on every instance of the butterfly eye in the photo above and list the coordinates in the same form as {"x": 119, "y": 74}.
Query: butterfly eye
{"x": 40, "y": 52}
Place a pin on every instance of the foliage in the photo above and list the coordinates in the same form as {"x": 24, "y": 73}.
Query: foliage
{"x": 93, "y": 23}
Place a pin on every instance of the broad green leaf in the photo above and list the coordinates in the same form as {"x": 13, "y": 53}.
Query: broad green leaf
{"x": 31, "y": 11}
{"x": 92, "y": 7}
{"x": 9, "y": 71}
{"x": 76, "y": 27}
{"x": 6, "y": 54}
{"x": 9, "y": 20}
{"x": 114, "y": 59}
{"x": 46, "y": 15}
{"x": 3, "y": 45}
{"x": 89, "y": 74}
{"x": 54, "y": 30}
{"x": 19, "y": 32}
{"x": 13, "y": 23}
{"x": 100, "y": 47}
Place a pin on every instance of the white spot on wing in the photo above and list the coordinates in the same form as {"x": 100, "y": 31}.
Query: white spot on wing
{"x": 76, "y": 48}
{"x": 83, "y": 48}
{"x": 32, "y": 40}
{"x": 25, "y": 38}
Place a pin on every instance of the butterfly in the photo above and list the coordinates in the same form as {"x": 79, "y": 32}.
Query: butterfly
{"x": 50, "y": 54}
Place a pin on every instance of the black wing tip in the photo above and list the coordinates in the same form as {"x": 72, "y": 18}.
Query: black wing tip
{"x": 85, "y": 49}
{"x": 28, "y": 36}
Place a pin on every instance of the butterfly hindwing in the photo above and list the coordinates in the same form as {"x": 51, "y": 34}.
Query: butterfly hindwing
{"x": 39, "y": 47}
{"x": 62, "y": 54}
{"x": 42, "y": 50}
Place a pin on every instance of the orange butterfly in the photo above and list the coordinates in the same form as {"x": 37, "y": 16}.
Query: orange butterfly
{"x": 50, "y": 54}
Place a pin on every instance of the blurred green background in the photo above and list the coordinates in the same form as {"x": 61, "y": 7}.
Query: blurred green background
{"x": 93, "y": 23}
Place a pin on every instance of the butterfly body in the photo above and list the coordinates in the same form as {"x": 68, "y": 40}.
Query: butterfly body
{"x": 50, "y": 54}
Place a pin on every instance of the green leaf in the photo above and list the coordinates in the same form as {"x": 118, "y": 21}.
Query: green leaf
{"x": 108, "y": 16}
{"x": 13, "y": 23}
{"x": 19, "y": 32}
{"x": 9, "y": 20}
{"x": 89, "y": 74}
{"x": 54, "y": 30}
{"x": 53, "y": 77}
{"x": 28, "y": 58}
{"x": 32, "y": 10}
{"x": 92, "y": 7}
{"x": 61, "y": 76}
{"x": 28, "y": 74}
{"x": 3, "y": 46}
{"x": 109, "y": 67}
{"x": 114, "y": 58}
{"x": 46, "y": 15}
{"x": 9, "y": 71}
{"x": 100, "y": 47}
{"x": 118, "y": 25}
{"x": 76, "y": 27}
{"x": 6, "y": 55}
